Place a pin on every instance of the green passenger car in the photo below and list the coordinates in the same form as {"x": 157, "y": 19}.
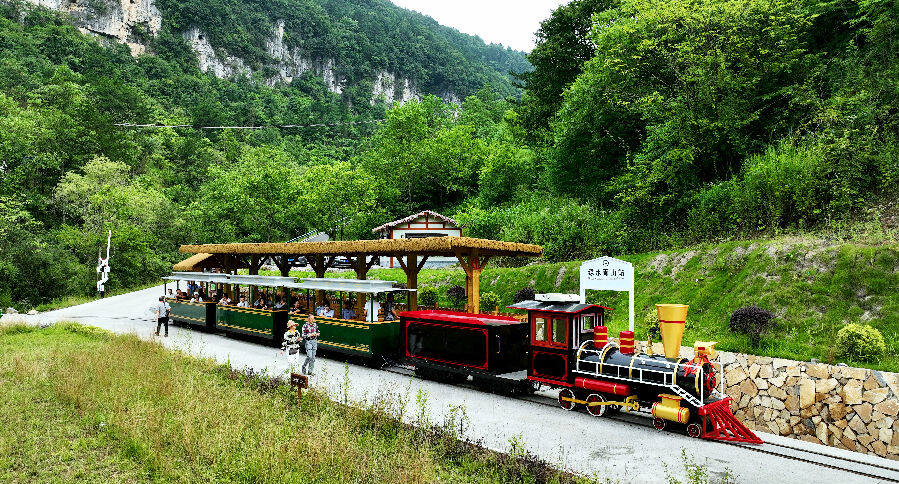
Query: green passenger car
{"x": 196, "y": 314}
{"x": 259, "y": 323}
{"x": 359, "y": 338}
{"x": 368, "y": 336}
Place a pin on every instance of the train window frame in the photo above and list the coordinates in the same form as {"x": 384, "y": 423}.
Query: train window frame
{"x": 592, "y": 318}
{"x": 560, "y": 324}
{"x": 544, "y": 333}
{"x": 550, "y": 317}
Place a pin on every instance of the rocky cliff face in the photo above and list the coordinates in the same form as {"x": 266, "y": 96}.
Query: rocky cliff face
{"x": 134, "y": 22}
{"x": 127, "y": 21}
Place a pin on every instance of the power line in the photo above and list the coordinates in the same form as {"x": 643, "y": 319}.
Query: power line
{"x": 279, "y": 126}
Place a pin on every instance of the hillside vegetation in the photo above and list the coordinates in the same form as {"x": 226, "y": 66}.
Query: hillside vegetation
{"x": 363, "y": 38}
{"x": 83, "y": 405}
{"x": 645, "y": 126}
{"x": 813, "y": 286}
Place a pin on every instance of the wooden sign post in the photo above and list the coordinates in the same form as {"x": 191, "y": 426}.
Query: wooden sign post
{"x": 300, "y": 382}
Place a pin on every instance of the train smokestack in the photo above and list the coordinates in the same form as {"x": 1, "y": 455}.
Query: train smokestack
{"x": 672, "y": 319}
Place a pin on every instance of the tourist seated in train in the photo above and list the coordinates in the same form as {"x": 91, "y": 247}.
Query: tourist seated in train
{"x": 260, "y": 302}
{"x": 243, "y": 302}
{"x": 279, "y": 304}
{"x": 324, "y": 310}
{"x": 197, "y": 298}
{"x": 348, "y": 313}
{"x": 389, "y": 314}
{"x": 296, "y": 308}
{"x": 225, "y": 301}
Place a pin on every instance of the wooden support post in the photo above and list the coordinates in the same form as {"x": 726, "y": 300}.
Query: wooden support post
{"x": 362, "y": 266}
{"x": 255, "y": 264}
{"x": 320, "y": 265}
{"x": 412, "y": 266}
{"x": 283, "y": 265}
{"x": 473, "y": 264}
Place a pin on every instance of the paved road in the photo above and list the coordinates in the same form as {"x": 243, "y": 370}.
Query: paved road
{"x": 603, "y": 447}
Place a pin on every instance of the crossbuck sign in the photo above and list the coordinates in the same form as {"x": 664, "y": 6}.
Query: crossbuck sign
{"x": 608, "y": 274}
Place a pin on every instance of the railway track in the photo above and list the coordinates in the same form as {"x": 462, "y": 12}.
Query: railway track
{"x": 856, "y": 466}
{"x": 859, "y": 467}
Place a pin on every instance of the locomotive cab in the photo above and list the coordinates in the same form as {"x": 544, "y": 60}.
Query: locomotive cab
{"x": 558, "y": 325}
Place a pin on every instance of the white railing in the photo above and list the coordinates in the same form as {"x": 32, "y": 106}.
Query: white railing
{"x": 664, "y": 378}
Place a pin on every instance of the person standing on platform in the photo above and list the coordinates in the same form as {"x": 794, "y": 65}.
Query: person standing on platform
{"x": 162, "y": 315}
{"x": 292, "y": 341}
{"x": 310, "y": 338}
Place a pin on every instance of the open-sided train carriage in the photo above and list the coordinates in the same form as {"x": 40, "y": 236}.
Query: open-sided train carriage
{"x": 368, "y": 329}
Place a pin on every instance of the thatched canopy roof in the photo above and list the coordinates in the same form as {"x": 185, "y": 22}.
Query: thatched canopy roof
{"x": 429, "y": 246}
{"x": 193, "y": 263}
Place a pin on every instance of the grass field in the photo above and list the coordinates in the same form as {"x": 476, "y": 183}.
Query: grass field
{"x": 81, "y": 405}
{"x": 814, "y": 286}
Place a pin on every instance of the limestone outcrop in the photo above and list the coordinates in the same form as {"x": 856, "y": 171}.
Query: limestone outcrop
{"x": 136, "y": 22}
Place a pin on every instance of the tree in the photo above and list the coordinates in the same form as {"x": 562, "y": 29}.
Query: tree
{"x": 428, "y": 159}
{"x": 257, "y": 199}
{"x": 342, "y": 199}
{"x": 563, "y": 46}
{"x": 682, "y": 92}
{"x": 145, "y": 225}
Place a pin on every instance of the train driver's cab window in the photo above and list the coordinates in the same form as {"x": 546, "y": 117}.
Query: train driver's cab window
{"x": 559, "y": 330}
{"x": 539, "y": 329}
{"x": 587, "y": 322}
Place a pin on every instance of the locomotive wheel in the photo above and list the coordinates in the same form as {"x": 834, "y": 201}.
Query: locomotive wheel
{"x": 597, "y": 410}
{"x": 566, "y": 393}
{"x": 694, "y": 430}
{"x": 659, "y": 424}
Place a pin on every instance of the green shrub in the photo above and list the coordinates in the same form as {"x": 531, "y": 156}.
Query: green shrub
{"x": 489, "y": 301}
{"x": 525, "y": 294}
{"x": 860, "y": 342}
{"x": 456, "y": 296}
{"x": 651, "y": 321}
{"x": 752, "y": 321}
{"x": 427, "y": 296}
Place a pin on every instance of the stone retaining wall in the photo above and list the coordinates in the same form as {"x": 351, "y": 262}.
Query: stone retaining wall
{"x": 841, "y": 406}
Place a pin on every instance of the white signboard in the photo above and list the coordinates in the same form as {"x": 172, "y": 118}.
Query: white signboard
{"x": 608, "y": 274}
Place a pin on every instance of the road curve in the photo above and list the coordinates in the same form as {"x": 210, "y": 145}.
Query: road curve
{"x": 624, "y": 449}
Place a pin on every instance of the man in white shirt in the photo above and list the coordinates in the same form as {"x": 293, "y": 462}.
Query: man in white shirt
{"x": 162, "y": 315}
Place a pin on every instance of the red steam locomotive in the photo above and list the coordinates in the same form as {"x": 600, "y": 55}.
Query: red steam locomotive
{"x": 564, "y": 344}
